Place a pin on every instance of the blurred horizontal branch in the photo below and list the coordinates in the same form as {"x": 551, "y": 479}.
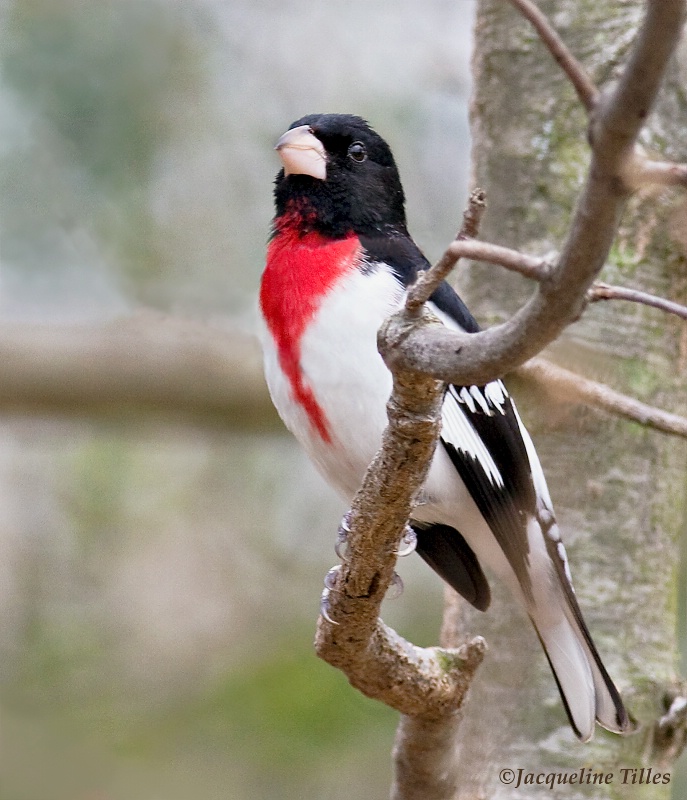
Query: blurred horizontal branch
{"x": 146, "y": 366}
{"x": 155, "y": 366}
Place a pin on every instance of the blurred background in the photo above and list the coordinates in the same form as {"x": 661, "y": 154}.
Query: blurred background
{"x": 159, "y": 583}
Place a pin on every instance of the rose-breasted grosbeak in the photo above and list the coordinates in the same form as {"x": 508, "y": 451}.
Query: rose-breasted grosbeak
{"x": 339, "y": 261}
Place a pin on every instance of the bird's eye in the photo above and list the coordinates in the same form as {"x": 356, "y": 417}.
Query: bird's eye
{"x": 357, "y": 151}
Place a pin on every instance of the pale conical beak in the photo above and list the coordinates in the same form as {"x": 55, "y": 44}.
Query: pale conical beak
{"x": 302, "y": 153}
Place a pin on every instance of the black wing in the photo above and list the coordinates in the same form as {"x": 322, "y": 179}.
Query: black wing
{"x": 450, "y": 556}
{"x": 481, "y": 435}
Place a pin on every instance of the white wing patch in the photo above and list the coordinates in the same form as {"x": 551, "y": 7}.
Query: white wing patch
{"x": 490, "y": 398}
{"x": 458, "y": 431}
{"x": 496, "y": 395}
{"x": 546, "y": 518}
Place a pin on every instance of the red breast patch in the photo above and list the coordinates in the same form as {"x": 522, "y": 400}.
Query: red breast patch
{"x": 300, "y": 270}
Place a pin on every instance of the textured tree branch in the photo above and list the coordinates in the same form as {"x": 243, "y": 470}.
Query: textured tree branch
{"x": 604, "y": 291}
{"x": 375, "y": 659}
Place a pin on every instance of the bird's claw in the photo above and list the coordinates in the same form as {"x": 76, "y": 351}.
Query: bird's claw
{"x": 395, "y": 589}
{"x": 342, "y": 537}
{"x": 330, "y": 577}
{"x": 341, "y": 550}
{"x": 324, "y": 607}
{"x": 408, "y": 543}
{"x": 329, "y": 587}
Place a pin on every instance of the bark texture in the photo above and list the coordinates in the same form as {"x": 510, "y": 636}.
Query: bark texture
{"x": 619, "y": 489}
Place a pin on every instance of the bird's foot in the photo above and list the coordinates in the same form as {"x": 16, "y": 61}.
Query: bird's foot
{"x": 408, "y": 543}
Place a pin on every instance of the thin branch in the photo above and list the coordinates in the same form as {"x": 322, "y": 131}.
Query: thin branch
{"x": 429, "y": 281}
{"x": 472, "y": 216}
{"x": 537, "y": 269}
{"x": 604, "y": 291}
{"x": 641, "y": 171}
{"x": 573, "y": 388}
{"x": 429, "y": 683}
{"x": 583, "y": 84}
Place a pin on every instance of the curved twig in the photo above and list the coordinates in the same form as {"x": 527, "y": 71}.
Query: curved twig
{"x": 428, "y": 281}
{"x": 583, "y": 84}
{"x": 605, "y": 291}
{"x": 537, "y": 269}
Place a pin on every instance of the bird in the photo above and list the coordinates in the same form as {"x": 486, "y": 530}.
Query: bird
{"x": 339, "y": 261}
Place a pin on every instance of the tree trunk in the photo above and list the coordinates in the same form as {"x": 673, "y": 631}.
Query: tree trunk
{"x": 619, "y": 489}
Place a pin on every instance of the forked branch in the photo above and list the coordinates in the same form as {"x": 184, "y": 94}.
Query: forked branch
{"x": 561, "y": 295}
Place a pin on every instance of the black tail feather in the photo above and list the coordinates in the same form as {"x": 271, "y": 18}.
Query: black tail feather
{"x": 450, "y": 556}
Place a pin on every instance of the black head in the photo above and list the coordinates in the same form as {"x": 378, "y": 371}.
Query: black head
{"x": 340, "y": 175}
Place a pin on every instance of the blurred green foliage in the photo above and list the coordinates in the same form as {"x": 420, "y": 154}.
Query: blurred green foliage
{"x": 101, "y": 73}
